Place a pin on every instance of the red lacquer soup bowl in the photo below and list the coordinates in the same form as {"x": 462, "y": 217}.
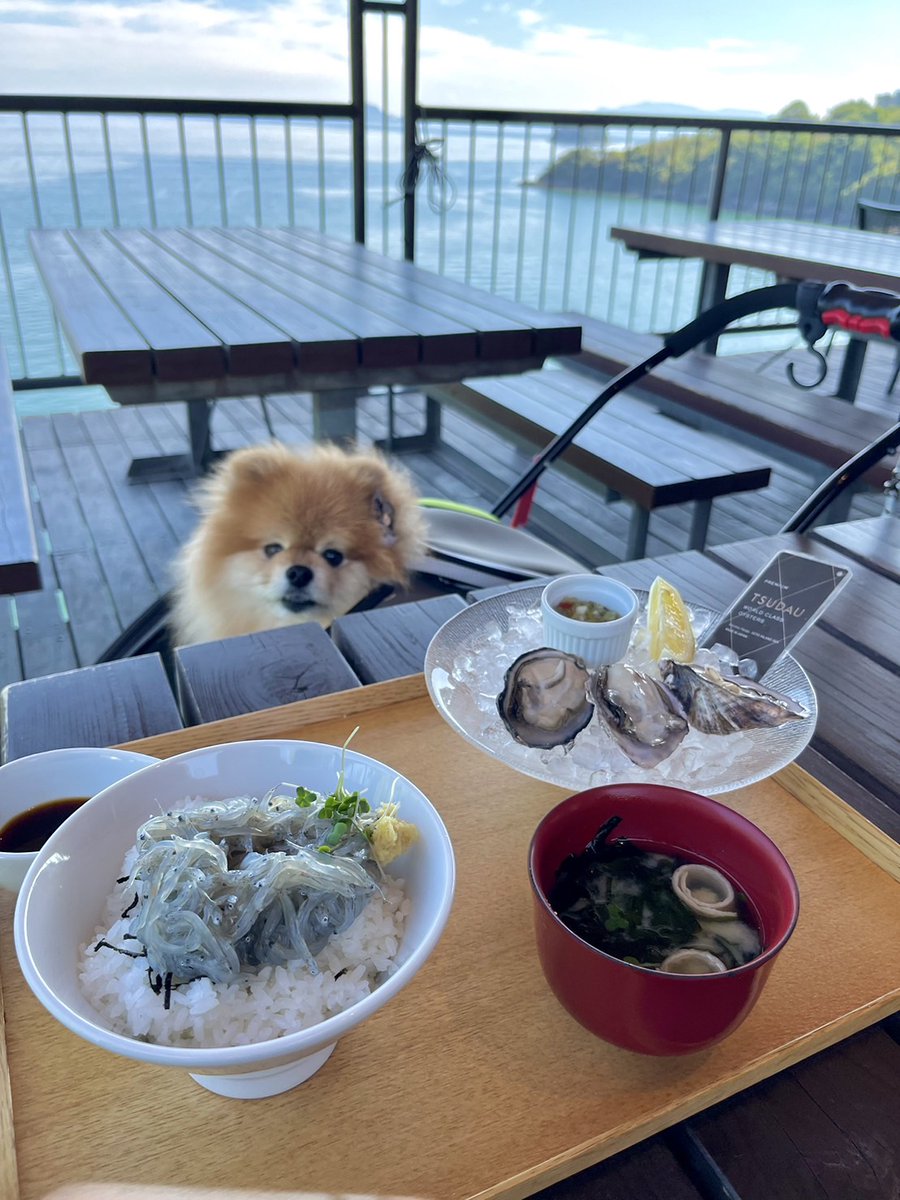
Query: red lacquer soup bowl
{"x": 635, "y": 1007}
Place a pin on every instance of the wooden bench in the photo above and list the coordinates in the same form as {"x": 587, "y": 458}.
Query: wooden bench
{"x": 133, "y": 698}
{"x": 94, "y": 706}
{"x": 259, "y": 670}
{"x": 724, "y": 395}
{"x": 389, "y": 643}
{"x": 629, "y": 447}
{"x": 19, "y": 570}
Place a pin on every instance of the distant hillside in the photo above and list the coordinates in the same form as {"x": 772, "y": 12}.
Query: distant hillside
{"x": 885, "y": 111}
{"x": 654, "y": 108}
{"x": 569, "y": 136}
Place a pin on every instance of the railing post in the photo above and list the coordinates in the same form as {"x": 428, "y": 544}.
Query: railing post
{"x": 713, "y": 277}
{"x": 718, "y": 187}
{"x": 358, "y": 101}
{"x": 410, "y": 102}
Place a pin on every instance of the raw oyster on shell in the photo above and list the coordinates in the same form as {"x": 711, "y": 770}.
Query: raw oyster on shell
{"x": 721, "y": 704}
{"x": 642, "y": 715}
{"x": 544, "y": 701}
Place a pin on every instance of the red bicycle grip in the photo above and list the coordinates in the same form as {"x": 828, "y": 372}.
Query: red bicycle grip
{"x": 864, "y": 312}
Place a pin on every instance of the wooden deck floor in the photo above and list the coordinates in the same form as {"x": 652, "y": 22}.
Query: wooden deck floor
{"x": 107, "y": 546}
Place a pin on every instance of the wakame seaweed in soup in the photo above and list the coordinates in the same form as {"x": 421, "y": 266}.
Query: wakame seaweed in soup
{"x": 654, "y": 909}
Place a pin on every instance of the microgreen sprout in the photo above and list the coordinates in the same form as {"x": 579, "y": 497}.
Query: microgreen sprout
{"x": 342, "y": 807}
{"x": 339, "y": 831}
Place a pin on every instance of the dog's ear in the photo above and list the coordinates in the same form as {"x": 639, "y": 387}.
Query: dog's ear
{"x": 242, "y": 471}
{"x": 383, "y": 512}
{"x": 254, "y": 465}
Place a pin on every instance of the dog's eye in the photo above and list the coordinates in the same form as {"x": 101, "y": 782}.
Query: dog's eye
{"x": 272, "y": 548}
{"x": 334, "y": 558}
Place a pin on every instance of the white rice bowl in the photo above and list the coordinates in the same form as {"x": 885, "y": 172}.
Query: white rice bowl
{"x": 268, "y": 1034}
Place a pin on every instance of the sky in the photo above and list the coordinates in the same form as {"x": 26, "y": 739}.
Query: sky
{"x": 569, "y": 55}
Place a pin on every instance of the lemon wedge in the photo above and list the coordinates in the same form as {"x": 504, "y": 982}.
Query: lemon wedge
{"x": 669, "y": 623}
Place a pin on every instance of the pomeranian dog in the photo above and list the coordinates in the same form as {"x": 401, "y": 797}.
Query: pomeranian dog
{"x": 287, "y": 536}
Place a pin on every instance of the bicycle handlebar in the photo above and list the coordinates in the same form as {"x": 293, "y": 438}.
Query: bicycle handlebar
{"x": 862, "y": 312}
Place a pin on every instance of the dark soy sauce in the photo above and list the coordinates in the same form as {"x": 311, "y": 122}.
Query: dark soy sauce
{"x": 29, "y": 830}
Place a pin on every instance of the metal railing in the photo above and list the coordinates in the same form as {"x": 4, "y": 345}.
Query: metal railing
{"x": 524, "y": 200}
{"x": 517, "y": 202}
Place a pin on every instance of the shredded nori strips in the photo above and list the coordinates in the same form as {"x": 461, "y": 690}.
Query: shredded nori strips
{"x": 103, "y": 944}
{"x": 161, "y": 984}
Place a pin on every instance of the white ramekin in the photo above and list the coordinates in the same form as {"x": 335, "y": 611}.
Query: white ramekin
{"x": 73, "y": 771}
{"x": 597, "y": 643}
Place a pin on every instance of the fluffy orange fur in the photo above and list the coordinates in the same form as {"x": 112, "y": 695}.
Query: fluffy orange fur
{"x": 287, "y": 536}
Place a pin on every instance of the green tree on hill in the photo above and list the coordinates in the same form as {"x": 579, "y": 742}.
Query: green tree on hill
{"x": 807, "y": 175}
{"x": 797, "y": 110}
{"x": 860, "y": 111}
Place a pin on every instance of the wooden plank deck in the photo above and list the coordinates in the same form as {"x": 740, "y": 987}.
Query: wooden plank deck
{"x": 106, "y": 545}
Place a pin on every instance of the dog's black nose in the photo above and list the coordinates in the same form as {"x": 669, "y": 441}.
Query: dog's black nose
{"x": 298, "y": 576}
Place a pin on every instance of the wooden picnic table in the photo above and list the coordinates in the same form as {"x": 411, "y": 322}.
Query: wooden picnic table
{"x": 827, "y": 1116}
{"x": 202, "y": 314}
{"x": 793, "y": 250}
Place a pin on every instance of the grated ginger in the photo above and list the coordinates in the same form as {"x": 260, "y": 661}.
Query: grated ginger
{"x": 390, "y": 836}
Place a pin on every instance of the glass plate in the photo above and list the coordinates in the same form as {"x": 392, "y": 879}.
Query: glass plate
{"x": 465, "y": 666}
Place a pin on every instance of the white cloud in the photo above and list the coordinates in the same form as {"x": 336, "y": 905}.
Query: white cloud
{"x": 574, "y": 68}
{"x": 298, "y": 49}
{"x": 730, "y": 43}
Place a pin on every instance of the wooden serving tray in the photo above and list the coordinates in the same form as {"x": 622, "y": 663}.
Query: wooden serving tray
{"x": 474, "y": 1082}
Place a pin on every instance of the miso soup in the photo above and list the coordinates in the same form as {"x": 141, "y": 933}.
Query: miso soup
{"x": 644, "y": 904}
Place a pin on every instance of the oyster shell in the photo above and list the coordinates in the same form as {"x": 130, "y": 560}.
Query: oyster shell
{"x": 640, "y": 713}
{"x": 721, "y": 704}
{"x": 544, "y": 700}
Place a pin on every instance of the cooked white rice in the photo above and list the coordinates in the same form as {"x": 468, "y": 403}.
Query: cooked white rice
{"x": 269, "y": 1004}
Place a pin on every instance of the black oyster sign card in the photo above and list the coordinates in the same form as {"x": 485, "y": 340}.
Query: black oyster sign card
{"x": 777, "y": 606}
